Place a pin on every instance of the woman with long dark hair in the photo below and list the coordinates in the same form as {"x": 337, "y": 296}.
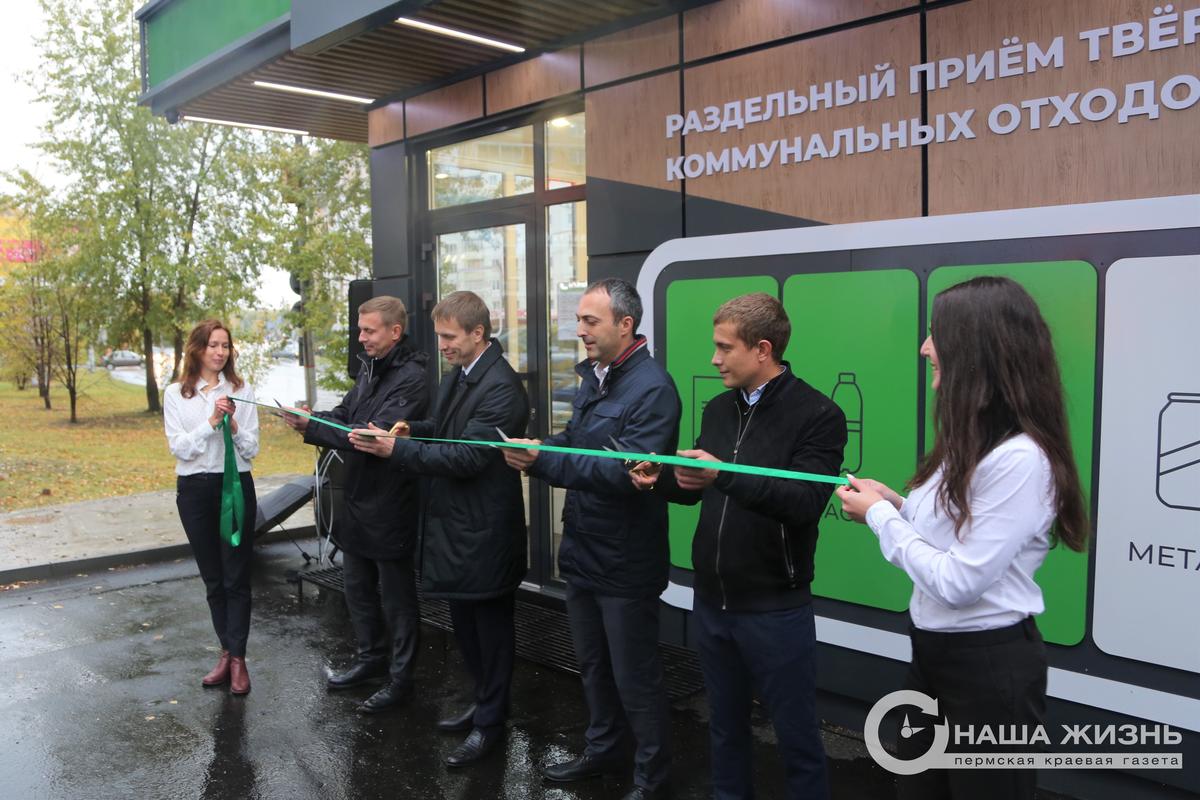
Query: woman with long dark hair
{"x": 996, "y": 491}
{"x": 203, "y": 424}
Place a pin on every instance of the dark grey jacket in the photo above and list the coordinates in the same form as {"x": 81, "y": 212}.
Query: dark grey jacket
{"x": 473, "y": 536}
{"x": 380, "y": 519}
{"x": 614, "y": 537}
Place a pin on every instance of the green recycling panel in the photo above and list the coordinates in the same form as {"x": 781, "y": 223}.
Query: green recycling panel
{"x": 855, "y": 337}
{"x": 1066, "y": 293}
{"x": 690, "y": 308}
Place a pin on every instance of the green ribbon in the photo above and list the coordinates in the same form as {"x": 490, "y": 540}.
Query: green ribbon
{"x": 297, "y": 412}
{"x": 676, "y": 461}
{"x": 233, "y": 502}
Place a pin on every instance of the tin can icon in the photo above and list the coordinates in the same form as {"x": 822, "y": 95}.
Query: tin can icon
{"x": 1177, "y": 483}
{"x": 847, "y": 395}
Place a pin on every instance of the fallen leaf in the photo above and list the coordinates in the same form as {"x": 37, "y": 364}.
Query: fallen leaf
{"x": 149, "y": 718}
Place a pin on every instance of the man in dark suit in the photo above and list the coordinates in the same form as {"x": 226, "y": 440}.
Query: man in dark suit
{"x": 379, "y": 532}
{"x": 473, "y": 543}
{"x": 614, "y": 554}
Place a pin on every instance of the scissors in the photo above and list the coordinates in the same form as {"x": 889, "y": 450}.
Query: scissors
{"x": 627, "y": 463}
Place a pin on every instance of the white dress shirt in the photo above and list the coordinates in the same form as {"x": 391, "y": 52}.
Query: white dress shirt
{"x": 196, "y": 445}
{"x": 601, "y": 372}
{"x": 467, "y": 369}
{"x": 983, "y": 578}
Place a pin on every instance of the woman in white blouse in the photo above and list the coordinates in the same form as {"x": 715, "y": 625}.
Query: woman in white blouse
{"x": 996, "y": 491}
{"x": 195, "y": 410}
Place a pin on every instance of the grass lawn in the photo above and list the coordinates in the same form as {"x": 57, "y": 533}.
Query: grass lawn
{"x": 117, "y": 448}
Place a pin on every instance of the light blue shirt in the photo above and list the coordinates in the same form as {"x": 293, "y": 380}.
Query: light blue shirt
{"x": 754, "y": 396}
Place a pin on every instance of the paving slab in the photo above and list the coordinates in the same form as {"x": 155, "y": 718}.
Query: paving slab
{"x": 99, "y": 529}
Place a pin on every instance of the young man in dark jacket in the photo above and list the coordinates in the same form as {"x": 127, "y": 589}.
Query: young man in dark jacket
{"x": 474, "y": 547}
{"x": 614, "y": 552}
{"x": 754, "y": 545}
{"x": 378, "y": 535}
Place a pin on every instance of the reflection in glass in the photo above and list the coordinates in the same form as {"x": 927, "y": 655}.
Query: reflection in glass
{"x": 566, "y": 162}
{"x": 491, "y": 263}
{"x": 487, "y": 168}
{"x": 566, "y": 267}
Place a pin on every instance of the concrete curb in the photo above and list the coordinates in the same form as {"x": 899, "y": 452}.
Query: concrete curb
{"x": 67, "y": 569}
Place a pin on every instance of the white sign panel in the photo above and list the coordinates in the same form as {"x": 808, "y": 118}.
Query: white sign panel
{"x": 1148, "y": 535}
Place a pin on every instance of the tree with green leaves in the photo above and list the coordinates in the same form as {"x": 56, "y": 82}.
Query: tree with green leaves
{"x": 324, "y": 239}
{"x": 25, "y": 330}
{"x": 63, "y": 292}
{"x": 171, "y": 203}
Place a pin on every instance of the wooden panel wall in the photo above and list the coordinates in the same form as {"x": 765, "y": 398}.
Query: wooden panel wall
{"x": 444, "y": 107}
{"x": 625, "y": 131}
{"x": 1088, "y": 162}
{"x": 549, "y": 75}
{"x": 632, "y": 51}
{"x": 385, "y": 125}
{"x": 732, "y": 24}
{"x": 848, "y": 188}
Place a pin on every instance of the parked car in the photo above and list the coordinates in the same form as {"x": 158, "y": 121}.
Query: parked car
{"x": 289, "y": 349}
{"x": 123, "y": 358}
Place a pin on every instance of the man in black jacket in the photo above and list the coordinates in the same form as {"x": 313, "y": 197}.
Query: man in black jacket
{"x": 378, "y": 535}
{"x": 614, "y": 552}
{"x": 473, "y": 542}
{"x": 754, "y": 545}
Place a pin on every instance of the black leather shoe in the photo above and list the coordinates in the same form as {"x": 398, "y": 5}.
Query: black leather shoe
{"x": 359, "y": 672}
{"x": 584, "y": 766}
{"x": 479, "y": 742}
{"x": 459, "y": 722}
{"x": 642, "y": 793}
{"x": 390, "y": 696}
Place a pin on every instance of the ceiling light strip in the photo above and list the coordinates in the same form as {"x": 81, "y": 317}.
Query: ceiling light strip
{"x": 233, "y": 124}
{"x": 469, "y": 37}
{"x": 283, "y": 87}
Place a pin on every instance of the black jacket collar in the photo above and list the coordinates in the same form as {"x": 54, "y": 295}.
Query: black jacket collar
{"x": 486, "y": 359}
{"x": 400, "y": 352}
{"x": 636, "y": 353}
{"x": 771, "y": 391}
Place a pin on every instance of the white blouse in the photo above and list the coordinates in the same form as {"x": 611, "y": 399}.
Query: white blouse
{"x": 983, "y": 578}
{"x": 196, "y": 445}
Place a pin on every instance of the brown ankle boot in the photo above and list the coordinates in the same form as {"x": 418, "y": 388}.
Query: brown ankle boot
{"x": 220, "y": 673}
{"x": 239, "y": 678}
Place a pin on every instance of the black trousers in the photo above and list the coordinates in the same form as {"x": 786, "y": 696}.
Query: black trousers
{"x": 616, "y": 643}
{"x": 224, "y": 569}
{"x": 381, "y": 596}
{"x": 993, "y": 678}
{"x": 486, "y": 637}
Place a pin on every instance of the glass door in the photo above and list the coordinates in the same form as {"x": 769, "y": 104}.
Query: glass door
{"x": 566, "y": 269}
{"x": 493, "y": 262}
{"x": 506, "y": 218}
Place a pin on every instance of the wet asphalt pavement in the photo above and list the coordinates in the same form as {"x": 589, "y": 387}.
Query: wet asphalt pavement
{"x": 101, "y": 698}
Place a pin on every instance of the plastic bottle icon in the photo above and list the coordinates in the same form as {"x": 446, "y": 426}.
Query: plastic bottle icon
{"x": 847, "y": 395}
{"x": 1177, "y": 483}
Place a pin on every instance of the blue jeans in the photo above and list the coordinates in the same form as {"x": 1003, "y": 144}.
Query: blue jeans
{"x": 775, "y": 652}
